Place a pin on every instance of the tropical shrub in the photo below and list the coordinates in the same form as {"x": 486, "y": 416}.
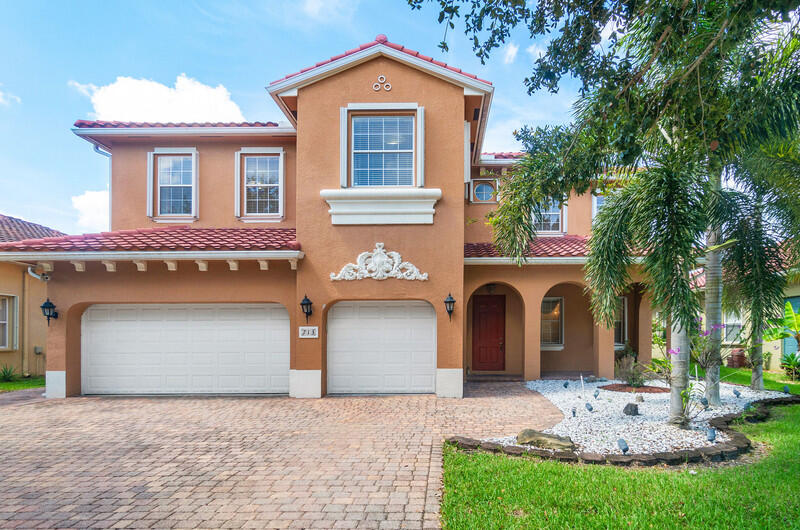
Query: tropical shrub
{"x": 628, "y": 370}
{"x": 790, "y": 363}
{"x": 7, "y": 373}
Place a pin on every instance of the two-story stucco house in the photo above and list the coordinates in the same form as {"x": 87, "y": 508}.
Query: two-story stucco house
{"x": 367, "y": 207}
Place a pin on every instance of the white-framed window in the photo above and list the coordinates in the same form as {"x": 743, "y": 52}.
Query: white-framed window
{"x": 552, "y": 323}
{"x": 172, "y": 184}
{"x": 597, "y": 203}
{"x": 7, "y": 322}
{"x": 621, "y": 323}
{"x": 483, "y": 190}
{"x": 260, "y": 184}
{"x": 382, "y": 145}
{"x": 382, "y": 150}
{"x": 731, "y": 333}
{"x": 551, "y": 219}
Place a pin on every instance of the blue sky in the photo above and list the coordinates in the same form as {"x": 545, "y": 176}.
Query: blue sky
{"x": 161, "y": 60}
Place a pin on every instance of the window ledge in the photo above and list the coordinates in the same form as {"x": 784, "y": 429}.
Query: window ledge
{"x": 263, "y": 219}
{"x": 181, "y": 220}
{"x": 381, "y": 206}
{"x": 552, "y": 347}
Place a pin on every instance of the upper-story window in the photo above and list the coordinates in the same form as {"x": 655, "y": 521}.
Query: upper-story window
{"x": 383, "y": 151}
{"x": 175, "y": 182}
{"x": 259, "y": 184}
{"x": 550, "y": 219}
{"x": 172, "y": 184}
{"x": 597, "y": 204}
{"x": 262, "y": 189}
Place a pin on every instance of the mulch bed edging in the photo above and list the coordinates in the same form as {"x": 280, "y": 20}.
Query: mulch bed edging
{"x": 738, "y": 444}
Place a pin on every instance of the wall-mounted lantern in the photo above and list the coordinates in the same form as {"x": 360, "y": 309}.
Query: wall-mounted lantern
{"x": 306, "y": 306}
{"x": 450, "y": 305}
{"x": 49, "y": 310}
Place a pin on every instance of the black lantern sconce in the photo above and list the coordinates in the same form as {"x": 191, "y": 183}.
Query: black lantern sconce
{"x": 306, "y": 306}
{"x": 49, "y": 311}
{"x": 449, "y": 305}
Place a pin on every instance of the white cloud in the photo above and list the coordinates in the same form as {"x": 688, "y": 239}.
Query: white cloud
{"x": 330, "y": 9}
{"x": 130, "y": 99}
{"x": 535, "y": 51}
{"x": 92, "y": 209}
{"x": 510, "y": 53}
{"x": 7, "y": 98}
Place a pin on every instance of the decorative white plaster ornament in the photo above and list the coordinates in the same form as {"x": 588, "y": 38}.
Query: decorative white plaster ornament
{"x": 381, "y": 84}
{"x": 379, "y": 264}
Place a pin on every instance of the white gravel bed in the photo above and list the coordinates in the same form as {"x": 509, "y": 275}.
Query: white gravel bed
{"x": 598, "y": 431}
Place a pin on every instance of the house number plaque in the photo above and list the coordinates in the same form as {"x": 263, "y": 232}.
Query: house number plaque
{"x": 309, "y": 332}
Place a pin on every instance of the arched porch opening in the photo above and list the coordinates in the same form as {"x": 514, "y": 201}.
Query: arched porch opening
{"x": 495, "y": 332}
{"x": 567, "y": 332}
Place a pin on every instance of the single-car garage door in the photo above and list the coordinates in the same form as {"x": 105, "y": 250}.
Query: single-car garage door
{"x": 381, "y": 347}
{"x": 185, "y": 348}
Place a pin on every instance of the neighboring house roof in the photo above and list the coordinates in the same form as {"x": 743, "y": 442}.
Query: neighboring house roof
{"x": 382, "y": 40}
{"x": 165, "y": 239}
{"x": 697, "y": 279}
{"x": 101, "y": 124}
{"x": 14, "y": 229}
{"x": 542, "y": 247}
{"x": 505, "y": 155}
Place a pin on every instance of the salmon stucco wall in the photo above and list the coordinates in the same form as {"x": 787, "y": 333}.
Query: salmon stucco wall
{"x": 577, "y": 354}
{"x": 28, "y": 326}
{"x": 435, "y": 249}
{"x": 72, "y": 292}
{"x": 216, "y": 181}
{"x": 477, "y": 229}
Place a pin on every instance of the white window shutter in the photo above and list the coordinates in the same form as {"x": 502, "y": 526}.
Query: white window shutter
{"x": 467, "y": 164}
{"x": 237, "y": 186}
{"x": 150, "y": 178}
{"x": 343, "y": 151}
{"x": 195, "y": 184}
{"x": 421, "y": 147}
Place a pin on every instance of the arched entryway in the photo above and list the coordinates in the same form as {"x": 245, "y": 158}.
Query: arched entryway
{"x": 567, "y": 332}
{"x": 494, "y": 342}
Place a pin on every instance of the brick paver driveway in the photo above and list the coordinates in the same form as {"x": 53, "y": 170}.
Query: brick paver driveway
{"x": 227, "y": 462}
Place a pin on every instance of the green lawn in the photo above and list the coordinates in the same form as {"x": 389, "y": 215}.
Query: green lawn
{"x": 772, "y": 380}
{"x": 493, "y": 491}
{"x": 22, "y": 383}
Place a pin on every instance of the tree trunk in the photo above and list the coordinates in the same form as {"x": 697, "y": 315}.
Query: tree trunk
{"x": 757, "y": 357}
{"x": 713, "y": 272}
{"x": 680, "y": 374}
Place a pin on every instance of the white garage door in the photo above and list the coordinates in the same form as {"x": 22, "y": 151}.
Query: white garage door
{"x": 381, "y": 347}
{"x": 185, "y": 348}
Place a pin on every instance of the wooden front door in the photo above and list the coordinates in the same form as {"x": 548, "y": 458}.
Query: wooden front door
{"x": 489, "y": 332}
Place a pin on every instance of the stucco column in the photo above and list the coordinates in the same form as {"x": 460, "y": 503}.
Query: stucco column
{"x": 56, "y": 367}
{"x": 307, "y": 355}
{"x": 645, "y": 317}
{"x": 532, "y": 368}
{"x": 603, "y": 350}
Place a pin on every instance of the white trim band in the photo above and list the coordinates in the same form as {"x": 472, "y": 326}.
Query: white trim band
{"x": 376, "y": 206}
{"x": 305, "y": 383}
{"x": 153, "y": 255}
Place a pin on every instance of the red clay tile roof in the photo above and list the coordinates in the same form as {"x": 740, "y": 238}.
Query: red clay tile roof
{"x": 165, "y": 239}
{"x": 697, "y": 279}
{"x": 505, "y": 155}
{"x": 100, "y": 124}
{"x": 382, "y": 39}
{"x": 13, "y": 229}
{"x": 541, "y": 247}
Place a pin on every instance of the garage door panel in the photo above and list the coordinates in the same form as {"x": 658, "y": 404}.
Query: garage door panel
{"x": 185, "y": 348}
{"x": 381, "y": 347}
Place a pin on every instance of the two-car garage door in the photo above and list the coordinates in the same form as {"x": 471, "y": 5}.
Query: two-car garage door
{"x": 185, "y": 348}
{"x": 372, "y": 347}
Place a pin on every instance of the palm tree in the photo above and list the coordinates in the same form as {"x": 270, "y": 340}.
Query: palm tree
{"x": 763, "y": 218}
